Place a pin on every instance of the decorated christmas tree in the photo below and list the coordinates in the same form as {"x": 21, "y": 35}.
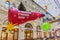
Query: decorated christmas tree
{"x": 21, "y": 7}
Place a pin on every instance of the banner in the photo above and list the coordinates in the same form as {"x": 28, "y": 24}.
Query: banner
{"x": 18, "y": 17}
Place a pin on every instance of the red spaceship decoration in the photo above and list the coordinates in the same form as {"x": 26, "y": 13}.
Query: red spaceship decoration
{"x": 18, "y": 17}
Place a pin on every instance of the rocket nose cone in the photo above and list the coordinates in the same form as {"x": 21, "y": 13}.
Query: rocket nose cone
{"x": 43, "y": 15}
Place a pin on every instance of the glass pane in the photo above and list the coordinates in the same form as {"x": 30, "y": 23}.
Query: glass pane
{"x": 45, "y": 34}
{"x": 4, "y": 35}
{"x": 41, "y": 34}
{"x": 15, "y": 35}
{"x": 10, "y": 36}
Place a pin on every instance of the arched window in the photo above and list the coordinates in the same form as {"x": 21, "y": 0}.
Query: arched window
{"x": 7, "y": 4}
{"x": 28, "y": 25}
{"x": 28, "y": 34}
{"x": 38, "y": 29}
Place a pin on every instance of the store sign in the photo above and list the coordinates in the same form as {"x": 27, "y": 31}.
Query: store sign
{"x": 18, "y": 17}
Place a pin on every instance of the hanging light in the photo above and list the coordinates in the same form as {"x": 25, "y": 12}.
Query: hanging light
{"x": 47, "y": 18}
{"x": 47, "y": 12}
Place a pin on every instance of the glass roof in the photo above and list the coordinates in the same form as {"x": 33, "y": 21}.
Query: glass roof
{"x": 52, "y": 6}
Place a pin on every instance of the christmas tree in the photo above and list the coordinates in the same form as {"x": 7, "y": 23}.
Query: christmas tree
{"x": 21, "y": 7}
